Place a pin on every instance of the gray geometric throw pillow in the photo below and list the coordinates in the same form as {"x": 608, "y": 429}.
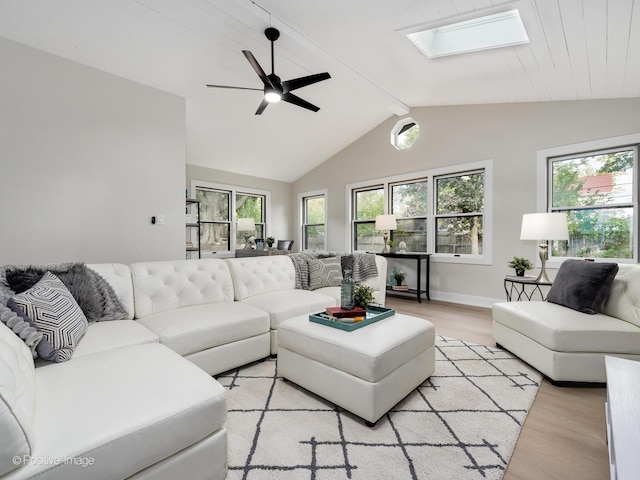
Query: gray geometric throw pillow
{"x": 50, "y": 305}
{"x": 325, "y": 272}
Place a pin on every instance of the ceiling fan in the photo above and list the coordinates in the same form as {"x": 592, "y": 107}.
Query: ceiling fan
{"x": 275, "y": 89}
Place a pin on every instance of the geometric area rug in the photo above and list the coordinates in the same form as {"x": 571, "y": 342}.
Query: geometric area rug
{"x": 461, "y": 423}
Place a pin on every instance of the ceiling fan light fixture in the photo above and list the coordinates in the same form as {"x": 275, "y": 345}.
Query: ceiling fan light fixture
{"x": 272, "y": 96}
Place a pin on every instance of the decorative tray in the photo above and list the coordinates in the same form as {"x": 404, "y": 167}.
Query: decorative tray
{"x": 373, "y": 315}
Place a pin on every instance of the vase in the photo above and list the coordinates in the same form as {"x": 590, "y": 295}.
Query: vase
{"x": 346, "y": 291}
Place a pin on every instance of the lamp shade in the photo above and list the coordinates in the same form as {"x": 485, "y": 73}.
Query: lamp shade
{"x": 386, "y": 222}
{"x": 544, "y": 226}
{"x": 246, "y": 224}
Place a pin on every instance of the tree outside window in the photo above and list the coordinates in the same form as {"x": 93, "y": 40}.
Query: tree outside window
{"x": 460, "y": 213}
{"x": 596, "y": 192}
{"x": 313, "y": 228}
{"x": 410, "y": 204}
{"x": 367, "y": 204}
{"x": 214, "y": 219}
{"x": 250, "y": 206}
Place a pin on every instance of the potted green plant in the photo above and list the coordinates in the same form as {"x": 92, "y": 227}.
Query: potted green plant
{"x": 520, "y": 264}
{"x": 398, "y": 276}
{"x": 270, "y": 241}
{"x": 363, "y": 295}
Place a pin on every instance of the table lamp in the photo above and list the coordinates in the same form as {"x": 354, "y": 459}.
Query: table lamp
{"x": 385, "y": 223}
{"x": 246, "y": 225}
{"x": 544, "y": 227}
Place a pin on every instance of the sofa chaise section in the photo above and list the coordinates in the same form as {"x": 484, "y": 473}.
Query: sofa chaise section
{"x": 124, "y": 414}
{"x": 189, "y": 305}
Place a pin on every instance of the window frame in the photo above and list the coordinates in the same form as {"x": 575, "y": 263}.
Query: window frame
{"x": 486, "y": 258}
{"x": 565, "y": 152}
{"x": 233, "y": 191}
{"x": 302, "y": 199}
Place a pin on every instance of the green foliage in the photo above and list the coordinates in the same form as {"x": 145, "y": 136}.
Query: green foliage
{"x": 315, "y": 210}
{"x": 605, "y": 230}
{"x": 398, "y": 276}
{"x": 363, "y": 295}
{"x": 520, "y": 263}
{"x": 462, "y": 194}
{"x": 369, "y": 203}
{"x": 249, "y": 206}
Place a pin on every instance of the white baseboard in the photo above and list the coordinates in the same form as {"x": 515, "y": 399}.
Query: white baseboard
{"x": 469, "y": 300}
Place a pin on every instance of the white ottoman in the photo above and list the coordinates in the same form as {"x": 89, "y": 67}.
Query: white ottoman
{"x": 366, "y": 371}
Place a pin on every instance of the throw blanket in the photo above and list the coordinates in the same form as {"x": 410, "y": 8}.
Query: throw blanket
{"x": 362, "y": 265}
{"x": 93, "y": 293}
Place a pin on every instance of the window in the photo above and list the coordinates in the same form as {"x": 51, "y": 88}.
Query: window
{"x": 313, "y": 222}
{"x": 460, "y": 213}
{"x": 367, "y": 204}
{"x": 220, "y": 208}
{"x": 404, "y": 134}
{"x": 410, "y": 204}
{"x": 445, "y": 212}
{"x": 250, "y": 206}
{"x": 597, "y": 191}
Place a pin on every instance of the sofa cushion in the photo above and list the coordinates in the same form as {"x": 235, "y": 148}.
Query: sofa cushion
{"x": 105, "y": 336}
{"x": 259, "y": 275}
{"x": 285, "y": 304}
{"x": 582, "y": 285}
{"x": 565, "y": 330}
{"x": 162, "y": 286}
{"x": 128, "y": 411}
{"x": 624, "y": 298}
{"x": 200, "y": 327}
{"x": 50, "y": 305}
{"x": 17, "y": 399}
{"x": 324, "y": 272}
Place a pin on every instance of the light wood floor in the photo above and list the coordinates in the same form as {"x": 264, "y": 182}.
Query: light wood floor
{"x": 564, "y": 436}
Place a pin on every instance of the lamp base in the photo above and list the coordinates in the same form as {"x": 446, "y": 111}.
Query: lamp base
{"x": 544, "y": 255}
{"x": 385, "y": 235}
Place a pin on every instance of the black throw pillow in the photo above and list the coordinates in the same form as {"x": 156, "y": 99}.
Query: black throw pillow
{"x": 583, "y": 285}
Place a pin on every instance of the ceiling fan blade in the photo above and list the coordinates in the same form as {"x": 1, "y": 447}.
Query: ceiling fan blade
{"x": 290, "y": 85}
{"x": 256, "y": 66}
{"x": 291, "y": 98}
{"x": 262, "y": 106}
{"x": 235, "y": 88}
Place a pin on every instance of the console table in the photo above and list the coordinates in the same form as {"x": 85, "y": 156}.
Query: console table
{"x": 418, "y": 257}
{"x": 516, "y": 287}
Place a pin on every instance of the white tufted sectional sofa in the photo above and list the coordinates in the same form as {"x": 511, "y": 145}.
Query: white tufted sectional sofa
{"x": 132, "y": 402}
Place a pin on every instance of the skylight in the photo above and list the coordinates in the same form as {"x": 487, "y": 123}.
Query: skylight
{"x": 492, "y": 31}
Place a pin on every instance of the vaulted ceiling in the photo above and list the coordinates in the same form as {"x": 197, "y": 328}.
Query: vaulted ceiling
{"x": 579, "y": 49}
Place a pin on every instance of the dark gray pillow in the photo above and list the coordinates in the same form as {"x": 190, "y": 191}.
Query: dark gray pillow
{"x": 74, "y": 276}
{"x": 582, "y": 285}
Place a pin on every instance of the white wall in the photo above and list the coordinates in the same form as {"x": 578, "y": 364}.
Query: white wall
{"x": 86, "y": 158}
{"x": 507, "y": 134}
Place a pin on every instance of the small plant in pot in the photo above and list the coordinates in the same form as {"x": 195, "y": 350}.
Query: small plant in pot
{"x": 270, "y": 241}
{"x": 363, "y": 295}
{"x": 521, "y": 265}
{"x": 398, "y": 276}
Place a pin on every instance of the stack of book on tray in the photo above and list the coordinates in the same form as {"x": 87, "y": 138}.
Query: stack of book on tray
{"x": 340, "y": 314}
